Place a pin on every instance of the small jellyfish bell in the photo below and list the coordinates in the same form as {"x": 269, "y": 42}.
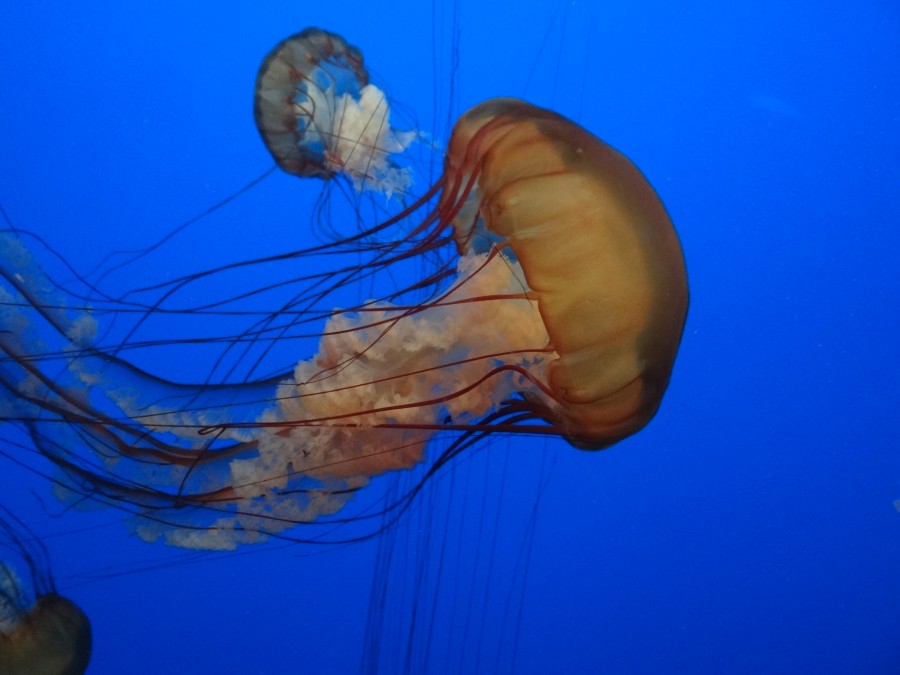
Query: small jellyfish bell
{"x": 41, "y": 632}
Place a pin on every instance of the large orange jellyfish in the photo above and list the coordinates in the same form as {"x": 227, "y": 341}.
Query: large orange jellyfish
{"x": 40, "y": 631}
{"x": 555, "y": 306}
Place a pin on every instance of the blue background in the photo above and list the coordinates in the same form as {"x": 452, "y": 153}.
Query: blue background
{"x": 749, "y": 529}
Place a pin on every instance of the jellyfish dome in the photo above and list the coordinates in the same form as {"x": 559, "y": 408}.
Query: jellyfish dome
{"x": 597, "y": 251}
{"x": 41, "y": 632}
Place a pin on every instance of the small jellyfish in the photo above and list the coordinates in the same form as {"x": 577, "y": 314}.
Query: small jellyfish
{"x": 320, "y": 117}
{"x": 41, "y": 632}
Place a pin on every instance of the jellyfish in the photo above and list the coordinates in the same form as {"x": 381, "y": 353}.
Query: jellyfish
{"x": 552, "y": 304}
{"x": 319, "y": 115}
{"x": 40, "y": 630}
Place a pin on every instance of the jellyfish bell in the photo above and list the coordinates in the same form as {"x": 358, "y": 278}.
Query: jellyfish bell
{"x": 52, "y": 638}
{"x": 597, "y": 251}
{"x": 560, "y": 314}
{"x": 41, "y": 632}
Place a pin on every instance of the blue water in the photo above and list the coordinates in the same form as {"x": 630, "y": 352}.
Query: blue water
{"x": 750, "y": 528}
